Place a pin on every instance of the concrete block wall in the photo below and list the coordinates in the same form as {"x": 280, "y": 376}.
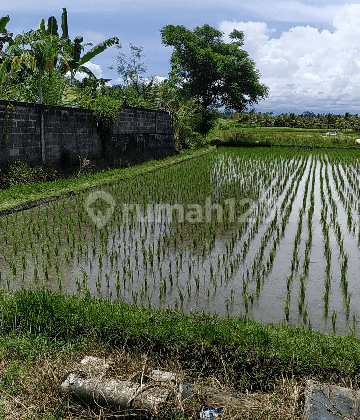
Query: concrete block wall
{"x": 20, "y": 132}
{"x": 137, "y": 130}
{"x": 140, "y": 130}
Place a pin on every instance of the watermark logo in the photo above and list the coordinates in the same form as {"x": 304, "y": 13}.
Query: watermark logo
{"x": 191, "y": 213}
{"x": 100, "y": 205}
{"x": 161, "y": 212}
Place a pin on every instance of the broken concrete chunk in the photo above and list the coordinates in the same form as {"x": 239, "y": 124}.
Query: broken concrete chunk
{"x": 160, "y": 375}
{"x": 90, "y": 385}
{"x": 330, "y": 402}
{"x": 93, "y": 366}
{"x": 120, "y": 395}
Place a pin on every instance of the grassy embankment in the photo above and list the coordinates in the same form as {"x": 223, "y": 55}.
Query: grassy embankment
{"x": 44, "y": 335}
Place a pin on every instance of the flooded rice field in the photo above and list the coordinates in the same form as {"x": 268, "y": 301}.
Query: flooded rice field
{"x": 273, "y": 234}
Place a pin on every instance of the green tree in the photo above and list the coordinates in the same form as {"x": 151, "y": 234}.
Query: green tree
{"x": 4, "y": 58}
{"x": 135, "y": 89}
{"x": 5, "y": 38}
{"x": 187, "y": 117}
{"x": 266, "y": 120}
{"x": 354, "y": 122}
{"x": 131, "y": 68}
{"x": 308, "y": 114}
{"x": 340, "y": 123}
{"x": 212, "y": 71}
{"x": 315, "y": 123}
{"x": 165, "y": 96}
{"x": 43, "y": 53}
{"x": 44, "y": 50}
{"x": 330, "y": 120}
{"x": 71, "y": 50}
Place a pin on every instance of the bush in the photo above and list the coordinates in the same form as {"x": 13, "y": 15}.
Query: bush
{"x": 209, "y": 119}
{"x": 106, "y": 110}
{"x": 20, "y": 172}
{"x": 196, "y": 140}
{"x": 225, "y": 124}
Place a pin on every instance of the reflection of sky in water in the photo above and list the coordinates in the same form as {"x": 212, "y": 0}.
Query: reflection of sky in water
{"x": 247, "y": 171}
{"x": 151, "y": 213}
{"x": 226, "y": 169}
{"x": 213, "y": 280}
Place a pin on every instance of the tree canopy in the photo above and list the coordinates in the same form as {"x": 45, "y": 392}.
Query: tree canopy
{"x": 44, "y": 52}
{"x": 214, "y": 72}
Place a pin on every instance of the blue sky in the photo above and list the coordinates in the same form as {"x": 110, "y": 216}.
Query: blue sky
{"x": 308, "y": 52}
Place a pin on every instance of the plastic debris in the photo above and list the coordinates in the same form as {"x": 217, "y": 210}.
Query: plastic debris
{"x": 210, "y": 413}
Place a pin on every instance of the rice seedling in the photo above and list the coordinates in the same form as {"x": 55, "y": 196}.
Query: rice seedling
{"x": 333, "y": 321}
{"x": 149, "y": 256}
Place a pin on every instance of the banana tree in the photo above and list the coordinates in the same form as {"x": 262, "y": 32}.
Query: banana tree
{"x": 6, "y": 37}
{"x": 72, "y": 50}
{"x": 43, "y": 52}
{"x": 39, "y": 50}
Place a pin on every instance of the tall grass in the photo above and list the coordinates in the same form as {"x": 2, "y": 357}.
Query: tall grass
{"x": 240, "y": 341}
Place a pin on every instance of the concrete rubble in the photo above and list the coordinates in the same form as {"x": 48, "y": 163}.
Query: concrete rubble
{"x": 91, "y": 384}
{"x": 330, "y": 402}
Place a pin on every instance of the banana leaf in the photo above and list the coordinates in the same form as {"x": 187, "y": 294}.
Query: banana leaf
{"x": 64, "y": 24}
{"x": 76, "y": 51}
{"x": 98, "y": 49}
{"x": 3, "y": 22}
{"x": 87, "y": 71}
{"x": 52, "y": 26}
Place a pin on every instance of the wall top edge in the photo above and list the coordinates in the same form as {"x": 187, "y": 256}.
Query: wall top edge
{"x": 65, "y": 108}
{"x": 144, "y": 109}
{"x": 36, "y": 105}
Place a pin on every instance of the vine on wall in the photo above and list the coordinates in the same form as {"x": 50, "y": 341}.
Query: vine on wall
{"x": 6, "y": 126}
{"x": 106, "y": 110}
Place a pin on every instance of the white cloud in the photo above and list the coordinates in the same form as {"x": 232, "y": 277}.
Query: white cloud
{"x": 293, "y": 11}
{"x": 93, "y": 37}
{"x": 159, "y": 79}
{"x": 305, "y": 65}
{"x": 95, "y": 68}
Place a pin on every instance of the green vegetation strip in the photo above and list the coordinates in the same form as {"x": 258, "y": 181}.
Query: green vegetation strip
{"x": 250, "y": 352}
{"x": 22, "y": 195}
{"x": 278, "y": 136}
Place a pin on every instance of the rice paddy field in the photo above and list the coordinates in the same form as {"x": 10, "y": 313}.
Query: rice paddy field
{"x": 272, "y": 234}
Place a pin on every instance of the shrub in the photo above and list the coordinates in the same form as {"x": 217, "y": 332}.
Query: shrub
{"x": 196, "y": 140}
{"x": 106, "y": 110}
{"x": 20, "y": 172}
{"x": 226, "y": 124}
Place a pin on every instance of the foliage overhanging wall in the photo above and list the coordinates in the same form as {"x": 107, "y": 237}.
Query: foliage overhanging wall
{"x": 137, "y": 132}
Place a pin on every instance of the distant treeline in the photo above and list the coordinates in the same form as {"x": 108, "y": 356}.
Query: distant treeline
{"x": 305, "y": 120}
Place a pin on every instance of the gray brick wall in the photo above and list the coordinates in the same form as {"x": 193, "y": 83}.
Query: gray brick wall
{"x": 142, "y": 131}
{"x": 136, "y": 131}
